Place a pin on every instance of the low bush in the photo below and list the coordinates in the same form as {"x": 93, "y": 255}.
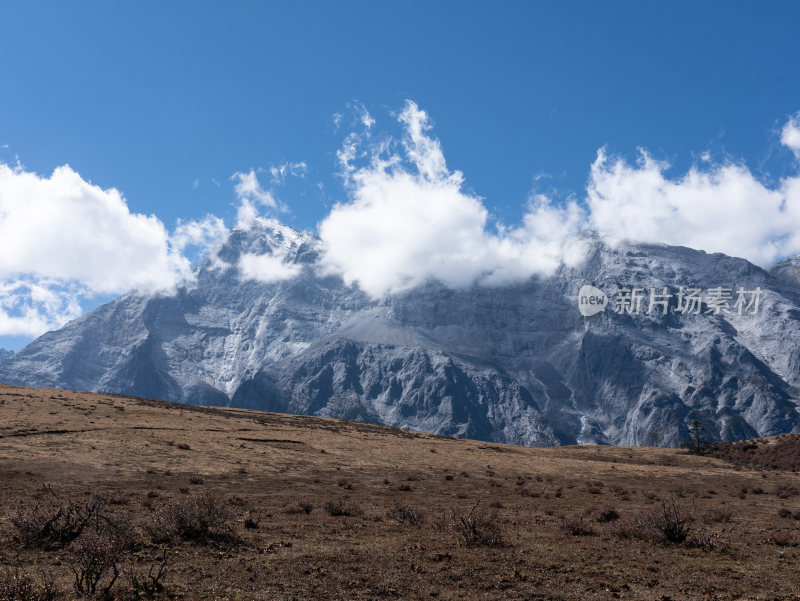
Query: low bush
{"x": 200, "y": 517}
{"x": 21, "y": 586}
{"x": 669, "y": 524}
{"x": 141, "y": 585}
{"x": 474, "y": 529}
{"x": 342, "y": 507}
{"x": 781, "y": 538}
{"x": 94, "y": 559}
{"x": 606, "y": 514}
{"x": 305, "y": 507}
{"x": 577, "y": 527}
{"x": 405, "y": 514}
{"x": 51, "y": 522}
{"x": 717, "y": 516}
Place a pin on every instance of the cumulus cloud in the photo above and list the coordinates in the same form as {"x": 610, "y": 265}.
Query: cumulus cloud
{"x": 33, "y": 307}
{"x": 719, "y": 208}
{"x": 66, "y": 228}
{"x": 63, "y": 239}
{"x": 266, "y": 268}
{"x": 409, "y": 220}
{"x": 790, "y": 135}
{"x": 200, "y": 235}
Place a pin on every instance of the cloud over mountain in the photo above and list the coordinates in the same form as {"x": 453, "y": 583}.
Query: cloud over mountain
{"x": 407, "y": 218}
{"x": 63, "y": 238}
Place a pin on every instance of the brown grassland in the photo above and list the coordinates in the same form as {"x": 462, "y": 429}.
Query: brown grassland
{"x": 145, "y": 499}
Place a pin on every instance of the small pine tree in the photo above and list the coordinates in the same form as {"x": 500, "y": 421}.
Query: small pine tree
{"x": 698, "y": 443}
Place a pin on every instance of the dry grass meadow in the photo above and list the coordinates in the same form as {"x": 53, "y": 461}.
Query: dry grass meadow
{"x": 137, "y": 499}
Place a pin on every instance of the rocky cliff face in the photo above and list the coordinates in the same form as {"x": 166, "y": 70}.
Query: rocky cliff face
{"x": 514, "y": 364}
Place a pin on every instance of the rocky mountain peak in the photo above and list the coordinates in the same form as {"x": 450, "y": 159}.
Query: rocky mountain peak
{"x": 517, "y": 363}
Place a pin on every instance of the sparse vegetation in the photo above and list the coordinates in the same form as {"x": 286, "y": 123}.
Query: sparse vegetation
{"x": 199, "y": 518}
{"x": 305, "y": 507}
{"x": 781, "y": 453}
{"x": 575, "y": 526}
{"x": 94, "y": 559}
{"x": 49, "y": 521}
{"x": 342, "y": 507}
{"x": 474, "y": 529}
{"x": 16, "y": 585}
{"x": 405, "y": 514}
{"x": 542, "y": 533}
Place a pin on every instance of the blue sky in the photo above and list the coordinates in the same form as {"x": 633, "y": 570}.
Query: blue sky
{"x": 165, "y": 102}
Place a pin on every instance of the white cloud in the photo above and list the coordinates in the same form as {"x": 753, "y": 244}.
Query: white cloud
{"x": 364, "y": 116}
{"x": 266, "y": 268}
{"x": 65, "y": 228}
{"x": 409, "y": 220}
{"x": 64, "y": 240}
{"x": 250, "y": 194}
{"x": 790, "y": 134}
{"x": 721, "y": 208}
{"x": 201, "y": 235}
{"x": 278, "y": 173}
{"x": 33, "y": 307}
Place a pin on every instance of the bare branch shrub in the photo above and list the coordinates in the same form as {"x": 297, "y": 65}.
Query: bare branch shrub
{"x": 198, "y": 518}
{"x": 474, "y": 529}
{"x": 51, "y": 522}
{"x": 405, "y": 514}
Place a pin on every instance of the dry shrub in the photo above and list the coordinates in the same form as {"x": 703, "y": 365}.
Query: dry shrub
{"x": 251, "y": 522}
{"x": 19, "y": 586}
{"x": 708, "y": 540}
{"x": 717, "y": 516}
{"x": 405, "y": 514}
{"x": 782, "y": 538}
{"x": 305, "y": 507}
{"x": 200, "y": 518}
{"x": 51, "y": 522}
{"x": 474, "y": 529}
{"x": 784, "y": 492}
{"x": 576, "y": 526}
{"x": 94, "y": 559}
{"x": 594, "y": 488}
{"x": 780, "y": 454}
{"x": 343, "y": 507}
{"x": 669, "y": 524}
{"x": 141, "y": 585}
{"x": 606, "y": 514}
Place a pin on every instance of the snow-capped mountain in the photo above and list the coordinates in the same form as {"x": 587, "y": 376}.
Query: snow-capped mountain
{"x": 516, "y": 364}
{"x": 5, "y": 353}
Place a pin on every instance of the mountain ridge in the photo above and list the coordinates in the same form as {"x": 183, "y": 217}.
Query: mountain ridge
{"x": 515, "y": 364}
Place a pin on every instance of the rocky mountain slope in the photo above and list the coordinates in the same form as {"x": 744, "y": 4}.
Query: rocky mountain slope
{"x": 516, "y": 364}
